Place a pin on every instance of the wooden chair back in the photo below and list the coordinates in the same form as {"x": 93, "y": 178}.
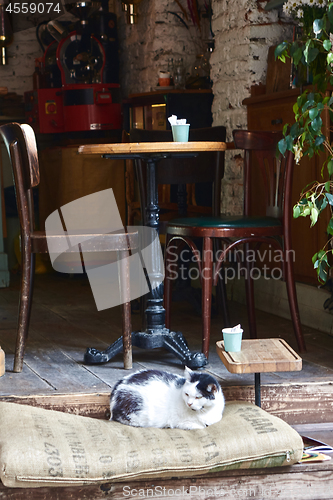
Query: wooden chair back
{"x": 275, "y": 170}
{"x": 21, "y": 145}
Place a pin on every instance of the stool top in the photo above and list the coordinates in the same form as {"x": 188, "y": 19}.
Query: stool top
{"x": 260, "y": 355}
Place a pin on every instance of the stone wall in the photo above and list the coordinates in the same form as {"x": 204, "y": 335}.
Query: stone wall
{"x": 242, "y": 39}
{"x": 158, "y": 36}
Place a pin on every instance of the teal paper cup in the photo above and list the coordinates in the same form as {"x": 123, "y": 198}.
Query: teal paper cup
{"x": 180, "y": 132}
{"x": 232, "y": 340}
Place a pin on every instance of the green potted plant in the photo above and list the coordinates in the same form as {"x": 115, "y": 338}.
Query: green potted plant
{"x": 312, "y": 52}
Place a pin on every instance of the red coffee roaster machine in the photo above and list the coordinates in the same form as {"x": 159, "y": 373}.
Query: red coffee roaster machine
{"x": 76, "y": 82}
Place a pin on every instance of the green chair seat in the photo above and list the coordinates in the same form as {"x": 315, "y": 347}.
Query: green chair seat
{"x": 226, "y": 222}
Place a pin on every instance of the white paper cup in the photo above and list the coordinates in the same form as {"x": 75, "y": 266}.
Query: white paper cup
{"x": 180, "y": 133}
{"x": 232, "y": 340}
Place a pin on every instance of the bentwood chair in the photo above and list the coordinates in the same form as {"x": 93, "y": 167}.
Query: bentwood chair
{"x": 196, "y": 183}
{"x": 247, "y": 230}
{"x": 21, "y": 145}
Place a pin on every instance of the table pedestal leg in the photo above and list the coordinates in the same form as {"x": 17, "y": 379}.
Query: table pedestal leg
{"x": 156, "y": 334}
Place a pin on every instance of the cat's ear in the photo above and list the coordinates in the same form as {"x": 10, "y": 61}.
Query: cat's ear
{"x": 188, "y": 372}
{"x": 212, "y": 388}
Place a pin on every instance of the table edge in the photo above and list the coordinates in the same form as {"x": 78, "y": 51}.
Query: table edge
{"x": 152, "y": 147}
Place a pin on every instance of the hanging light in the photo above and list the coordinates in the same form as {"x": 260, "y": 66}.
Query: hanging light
{"x": 130, "y": 7}
{"x": 6, "y": 32}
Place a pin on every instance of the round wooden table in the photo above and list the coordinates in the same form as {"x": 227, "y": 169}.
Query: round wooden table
{"x": 156, "y": 335}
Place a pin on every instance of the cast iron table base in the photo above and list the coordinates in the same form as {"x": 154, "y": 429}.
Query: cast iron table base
{"x": 173, "y": 342}
{"x": 156, "y": 334}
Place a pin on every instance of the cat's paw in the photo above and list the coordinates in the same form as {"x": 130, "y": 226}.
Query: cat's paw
{"x": 192, "y": 426}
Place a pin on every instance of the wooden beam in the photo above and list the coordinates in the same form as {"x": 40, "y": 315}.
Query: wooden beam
{"x": 294, "y": 403}
{"x": 299, "y": 482}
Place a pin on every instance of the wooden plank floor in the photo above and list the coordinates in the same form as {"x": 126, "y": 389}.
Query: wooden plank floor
{"x": 65, "y": 322}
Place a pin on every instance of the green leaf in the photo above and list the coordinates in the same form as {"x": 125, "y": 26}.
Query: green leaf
{"x": 316, "y": 124}
{"x": 294, "y": 47}
{"x": 329, "y": 58}
{"x": 322, "y": 203}
{"x": 294, "y": 131}
{"x": 319, "y": 140}
{"x": 330, "y": 167}
{"x": 310, "y": 54}
{"x": 329, "y": 197}
{"x": 322, "y": 271}
{"x": 280, "y": 49}
{"x": 306, "y": 106}
{"x": 285, "y": 128}
{"x": 282, "y": 145}
{"x": 315, "y": 258}
{"x": 296, "y": 212}
{"x": 318, "y": 25}
{"x": 314, "y": 215}
{"x": 330, "y": 227}
{"x": 313, "y": 113}
{"x": 300, "y": 99}
{"x": 327, "y": 45}
{"x": 322, "y": 255}
{"x": 297, "y": 56}
{"x": 327, "y": 186}
{"x": 290, "y": 142}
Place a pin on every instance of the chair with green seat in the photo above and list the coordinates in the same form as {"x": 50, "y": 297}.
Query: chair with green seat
{"x": 274, "y": 228}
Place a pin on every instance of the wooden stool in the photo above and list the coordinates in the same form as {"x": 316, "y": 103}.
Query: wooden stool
{"x": 260, "y": 355}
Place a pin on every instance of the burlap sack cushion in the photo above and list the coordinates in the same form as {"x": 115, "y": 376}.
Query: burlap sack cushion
{"x": 49, "y": 448}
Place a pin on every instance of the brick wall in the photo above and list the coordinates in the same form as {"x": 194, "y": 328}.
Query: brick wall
{"x": 17, "y": 75}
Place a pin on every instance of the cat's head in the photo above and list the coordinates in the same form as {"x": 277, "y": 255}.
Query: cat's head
{"x": 199, "y": 390}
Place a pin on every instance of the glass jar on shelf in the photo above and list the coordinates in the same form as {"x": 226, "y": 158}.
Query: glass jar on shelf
{"x": 179, "y": 73}
{"x": 171, "y": 69}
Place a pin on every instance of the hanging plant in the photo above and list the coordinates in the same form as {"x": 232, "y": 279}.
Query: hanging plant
{"x": 313, "y": 51}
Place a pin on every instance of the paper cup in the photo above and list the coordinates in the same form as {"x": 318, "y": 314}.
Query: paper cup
{"x": 180, "y": 132}
{"x": 232, "y": 340}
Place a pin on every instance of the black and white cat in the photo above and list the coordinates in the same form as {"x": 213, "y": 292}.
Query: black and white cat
{"x": 153, "y": 398}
